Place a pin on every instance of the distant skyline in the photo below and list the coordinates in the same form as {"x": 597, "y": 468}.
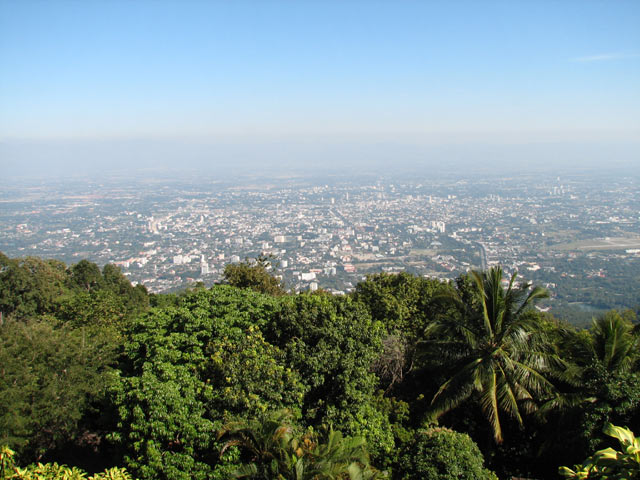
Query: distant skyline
{"x": 94, "y": 85}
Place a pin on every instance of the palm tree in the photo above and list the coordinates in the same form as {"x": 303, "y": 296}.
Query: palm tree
{"x": 497, "y": 350}
{"x": 611, "y": 346}
{"x": 614, "y": 342}
{"x": 604, "y": 356}
{"x": 276, "y": 453}
{"x": 340, "y": 458}
{"x": 265, "y": 440}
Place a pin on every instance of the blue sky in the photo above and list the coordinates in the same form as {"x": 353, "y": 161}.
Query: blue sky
{"x": 91, "y": 77}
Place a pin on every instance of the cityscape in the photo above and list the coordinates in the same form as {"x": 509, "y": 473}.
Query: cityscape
{"x": 577, "y": 235}
{"x": 319, "y": 240}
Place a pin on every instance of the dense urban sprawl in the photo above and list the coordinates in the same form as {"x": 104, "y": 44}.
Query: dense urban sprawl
{"x": 329, "y": 233}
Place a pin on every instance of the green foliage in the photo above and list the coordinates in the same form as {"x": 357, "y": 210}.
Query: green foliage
{"x": 135, "y": 299}
{"x": 265, "y": 443}
{"x": 254, "y": 274}
{"x": 248, "y": 375}
{"x": 405, "y": 305}
{"x": 332, "y": 342}
{"x": 614, "y": 397}
{"x": 614, "y": 343}
{"x": 498, "y": 352}
{"x": 361, "y": 368}
{"x": 104, "y": 300}
{"x": 273, "y": 449}
{"x": 163, "y": 422}
{"x": 59, "y": 336}
{"x": 7, "y": 462}
{"x": 441, "y": 454}
{"x": 187, "y": 369}
{"x": 609, "y": 463}
{"x": 605, "y": 366}
{"x": 48, "y": 379}
{"x": 97, "y": 307}
{"x": 398, "y": 413}
{"x": 229, "y": 353}
{"x": 339, "y": 457}
{"x": 85, "y": 275}
{"x": 30, "y": 286}
{"x": 33, "y": 287}
{"x": 51, "y": 471}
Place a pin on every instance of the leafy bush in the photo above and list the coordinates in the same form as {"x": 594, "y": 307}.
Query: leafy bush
{"x": 189, "y": 368}
{"x": 609, "y": 463}
{"x": 442, "y": 454}
{"x": 48, "y": 381}
{"x": 254, "y": 274}
{"x": 273, "y": 449}
{"x": 51, "y": 471}
{"x": 331, "y": 341}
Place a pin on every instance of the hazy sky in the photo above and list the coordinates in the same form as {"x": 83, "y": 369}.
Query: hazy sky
{"x": 132, "y": 83}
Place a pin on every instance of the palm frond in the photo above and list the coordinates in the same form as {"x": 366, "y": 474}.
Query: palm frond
{"x": 489, "y": 405}
{"x": 462, "y": 386}
{"x": 536, "y": 293}
{"x": 504, "y": 354}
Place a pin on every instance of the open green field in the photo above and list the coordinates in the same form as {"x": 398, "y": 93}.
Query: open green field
{"x": 376, "y": 266}
{"x": 607, "y": 243}
{"x": 423, "y": 252}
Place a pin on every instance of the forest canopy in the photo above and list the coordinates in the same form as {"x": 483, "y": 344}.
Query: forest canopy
{"x": 406, "y": 377}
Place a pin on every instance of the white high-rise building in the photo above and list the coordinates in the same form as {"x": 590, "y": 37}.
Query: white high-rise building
{"x": 204, "y": 266}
